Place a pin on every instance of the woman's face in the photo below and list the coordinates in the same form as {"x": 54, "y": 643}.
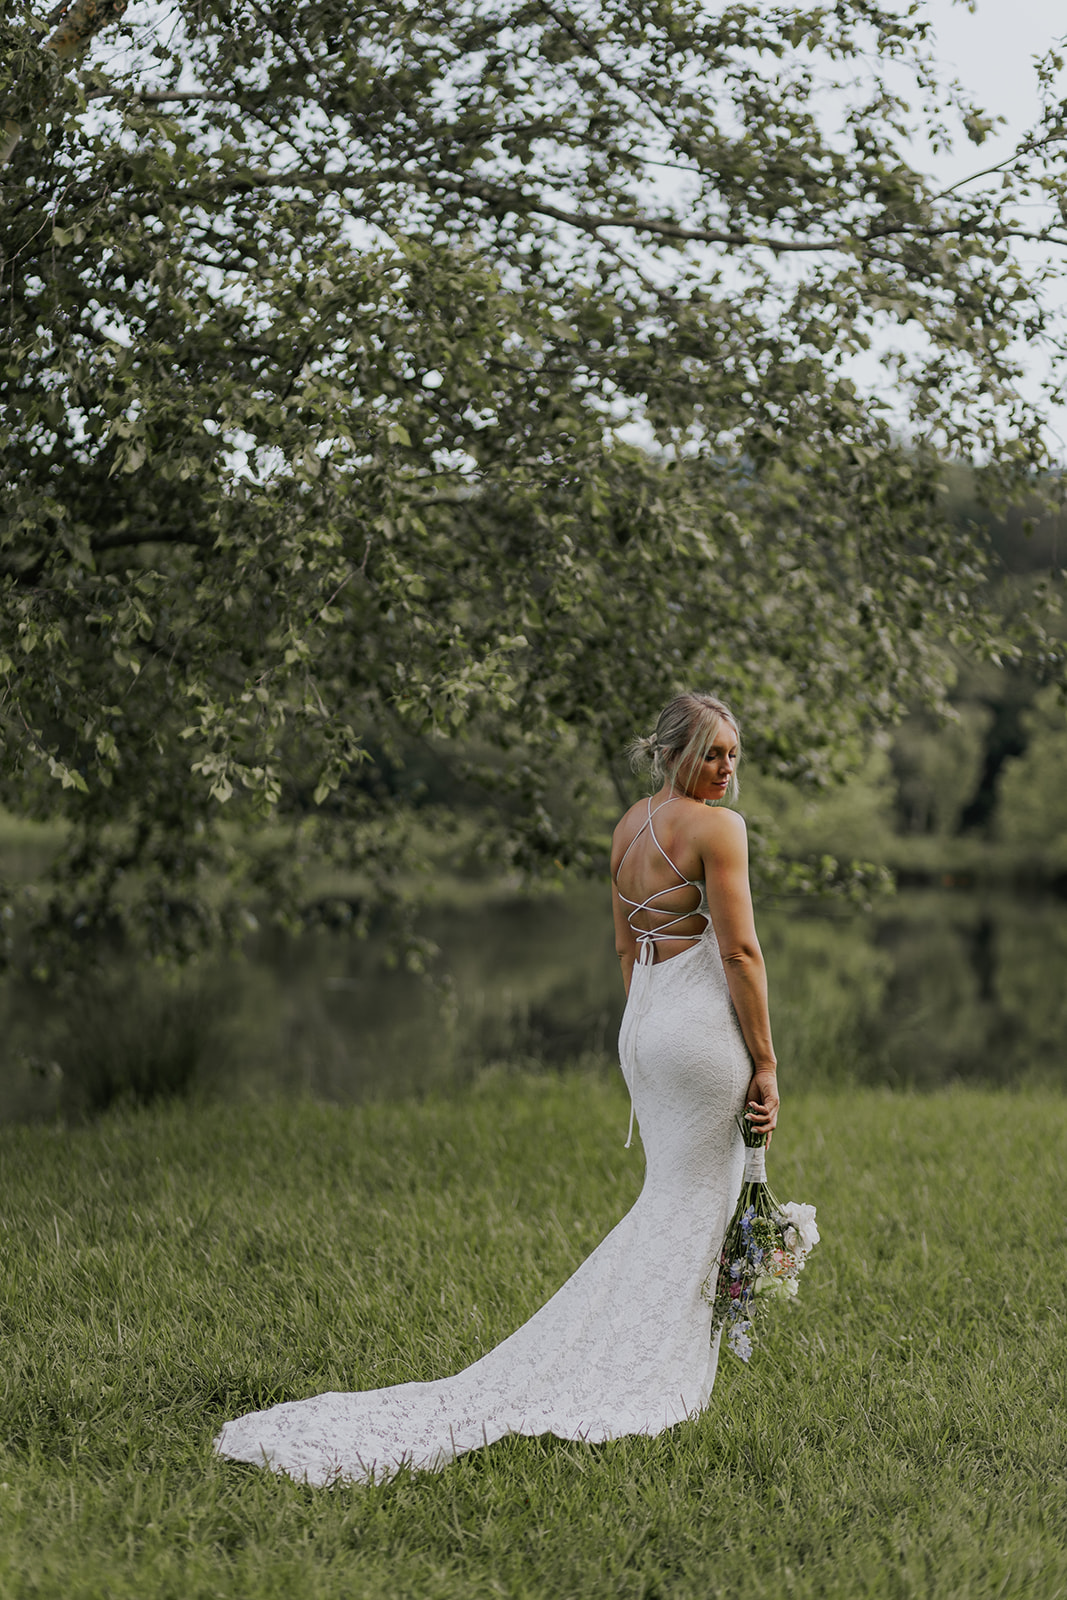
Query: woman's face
{"x": 712, "y": 777}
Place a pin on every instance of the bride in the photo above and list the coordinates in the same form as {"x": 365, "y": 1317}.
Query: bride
{"x": 625, "y": 1346}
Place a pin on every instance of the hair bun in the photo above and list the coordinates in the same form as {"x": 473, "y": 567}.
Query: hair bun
{"x": 683, "y": 731}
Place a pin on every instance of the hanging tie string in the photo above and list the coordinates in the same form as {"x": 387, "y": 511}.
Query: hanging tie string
{"x": 639, "y": 1002}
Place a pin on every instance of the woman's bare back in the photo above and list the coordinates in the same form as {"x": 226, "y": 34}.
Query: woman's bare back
{"x": 657, "y": 869}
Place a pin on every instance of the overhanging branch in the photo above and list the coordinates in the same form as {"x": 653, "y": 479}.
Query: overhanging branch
{"x": 504, "y": 198}
{"x": 126, "y": 538}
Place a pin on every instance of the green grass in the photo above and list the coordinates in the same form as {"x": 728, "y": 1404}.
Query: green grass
{"x": 902, "y": 1433}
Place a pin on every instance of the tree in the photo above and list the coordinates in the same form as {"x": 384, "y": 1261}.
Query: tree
{"x": 31, "y": 76}
{"x": 477, "y": 374}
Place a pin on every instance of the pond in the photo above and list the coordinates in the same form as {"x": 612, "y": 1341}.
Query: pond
{"x": 929, "y": 988}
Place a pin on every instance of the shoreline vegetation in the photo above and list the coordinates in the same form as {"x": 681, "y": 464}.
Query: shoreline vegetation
{"x": 977, "y": 800}
{"x": 903, "y": 1432}
{"x": 954, "y": 977}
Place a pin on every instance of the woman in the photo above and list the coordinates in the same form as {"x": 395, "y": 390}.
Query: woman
{"x": 625, "y": 1346}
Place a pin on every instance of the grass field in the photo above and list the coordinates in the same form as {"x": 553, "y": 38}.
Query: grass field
{"x": 903, "y": 1433}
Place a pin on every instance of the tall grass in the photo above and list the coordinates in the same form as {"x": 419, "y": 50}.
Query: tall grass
{"x": 903, "y": 1432}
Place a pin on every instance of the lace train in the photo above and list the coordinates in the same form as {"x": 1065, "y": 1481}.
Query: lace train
{"x": 624, "y": 1346}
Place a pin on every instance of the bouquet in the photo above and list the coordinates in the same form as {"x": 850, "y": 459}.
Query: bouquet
{"x": 763, "y": 1253}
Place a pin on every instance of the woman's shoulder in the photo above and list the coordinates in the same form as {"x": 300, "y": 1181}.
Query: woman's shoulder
{"x": 718, "y": 829}
{"x": 723, "y": 819}
{"x": 696, "y": 837}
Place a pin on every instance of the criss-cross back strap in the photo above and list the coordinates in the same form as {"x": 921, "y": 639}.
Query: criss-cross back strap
{"x": 648, "y": 938}
{"x": 652, "y": 935}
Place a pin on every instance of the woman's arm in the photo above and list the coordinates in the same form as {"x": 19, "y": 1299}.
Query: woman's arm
{"x": 724, "y": 849}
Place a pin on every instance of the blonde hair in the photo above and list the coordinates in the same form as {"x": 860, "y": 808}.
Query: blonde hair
{"x": 684, "y": 732}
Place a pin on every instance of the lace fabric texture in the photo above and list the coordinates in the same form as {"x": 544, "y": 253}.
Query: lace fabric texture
{"x": 625, "y": 1345}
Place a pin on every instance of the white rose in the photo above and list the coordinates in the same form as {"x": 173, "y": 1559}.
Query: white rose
{"x": 773, "y": 1288}
{"x": 801, "y": 1234}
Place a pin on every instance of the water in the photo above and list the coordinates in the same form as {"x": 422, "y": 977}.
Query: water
{"x": 930, "y": 988}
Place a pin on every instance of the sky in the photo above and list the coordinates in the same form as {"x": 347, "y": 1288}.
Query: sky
{"x": 991, "y": 51}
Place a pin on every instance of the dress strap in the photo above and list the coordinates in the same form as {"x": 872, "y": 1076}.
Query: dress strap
{"x": 650, "y": 936}
{"x": 646, "y": 824}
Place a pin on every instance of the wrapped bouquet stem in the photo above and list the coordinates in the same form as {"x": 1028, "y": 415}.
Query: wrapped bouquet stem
{"x": 763, "y": 1252}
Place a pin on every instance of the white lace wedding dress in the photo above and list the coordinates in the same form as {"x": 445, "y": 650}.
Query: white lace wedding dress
{"x": 625, "y": 1346}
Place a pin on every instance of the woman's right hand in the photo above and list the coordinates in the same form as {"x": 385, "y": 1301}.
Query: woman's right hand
{"x": 761, "y": 1102}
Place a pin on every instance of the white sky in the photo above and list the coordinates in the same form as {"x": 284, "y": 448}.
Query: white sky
{"x": 991, "y": 51}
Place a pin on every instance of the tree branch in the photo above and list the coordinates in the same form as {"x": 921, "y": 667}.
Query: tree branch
{"x": 590, "y": 222}
{"x": 112, "y": 541}
{"x": 79, "y": 22}
{"x": 156, "y": 97}
{"x": 149, "y": 535}
{"x": 616, "y": 77}
{"x": 988, "y": 172}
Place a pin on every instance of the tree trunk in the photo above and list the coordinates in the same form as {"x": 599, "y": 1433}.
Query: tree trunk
{"x": 77, "y": 26}
{"x": 83, "y": 19}
{"x": 9, "y": 138}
